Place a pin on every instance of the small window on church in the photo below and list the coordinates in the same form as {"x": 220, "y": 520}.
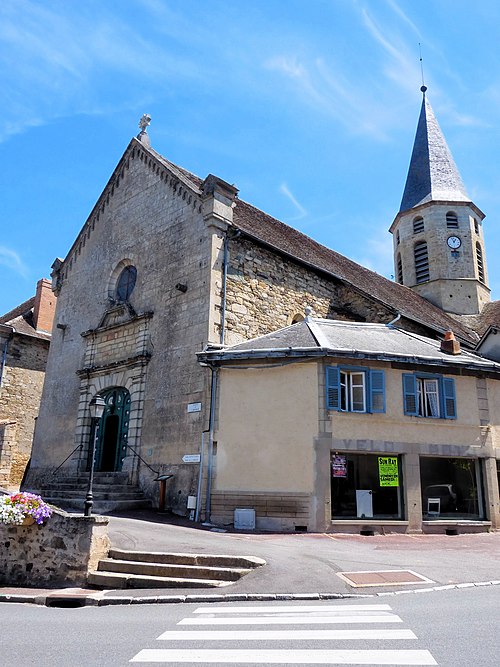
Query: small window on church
{"x": 397, "y": 238}
{"x": 298, "y": 317}
{"x": 480, "y": 264}
{"x": 421, "y": 262}
{"x": 451, "y": 220}
{"x": 399, "y": 268}
{"x": 418, "y": 225}
{"x": 126, "y": 283}
{"x": 476, "y": 226}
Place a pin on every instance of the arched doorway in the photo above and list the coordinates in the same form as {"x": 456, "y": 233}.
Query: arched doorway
{"x": 113, "y": 431}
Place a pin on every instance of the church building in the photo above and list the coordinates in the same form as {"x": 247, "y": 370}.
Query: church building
{"x": 168, "y": 265}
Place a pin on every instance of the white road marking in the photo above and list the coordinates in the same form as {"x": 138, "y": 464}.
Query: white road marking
{"x": 266, "y": 635}
{"x": 287, "y": 657}
{"x": 381, "y": 617}
{"x": 338, "y": 608}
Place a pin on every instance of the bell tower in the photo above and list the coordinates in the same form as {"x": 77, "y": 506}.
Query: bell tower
{"x": 438, "y": 233}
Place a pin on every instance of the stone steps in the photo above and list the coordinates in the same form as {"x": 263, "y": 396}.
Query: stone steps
{"x": 111, "y": 492}
{"x": 135, "y": 569}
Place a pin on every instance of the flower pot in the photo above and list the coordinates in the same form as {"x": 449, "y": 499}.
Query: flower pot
{"x": 28, "y": 520}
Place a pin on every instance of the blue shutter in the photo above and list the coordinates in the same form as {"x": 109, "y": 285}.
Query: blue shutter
{"x": 377, "y": 391}
{"x": 332, "y": 388}
{"x": 449, "y": 401}
{"x": 410, "y": 398}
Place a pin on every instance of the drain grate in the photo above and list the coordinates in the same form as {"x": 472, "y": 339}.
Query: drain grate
{"x": 383, "y": 578}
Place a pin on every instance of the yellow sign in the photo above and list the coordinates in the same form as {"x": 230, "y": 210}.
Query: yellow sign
{"x": 388, "y": 470}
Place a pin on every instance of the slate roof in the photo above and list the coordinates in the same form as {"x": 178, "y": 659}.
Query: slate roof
{"x": 301, "y": 248}
{"x": 433, "y": 174}
{"x": 297, "y": 245}
{"x": 351, "y": 340}
{"x": 20, "y": 319}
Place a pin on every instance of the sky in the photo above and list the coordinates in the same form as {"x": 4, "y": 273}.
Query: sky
{"x": 308, "y": 106}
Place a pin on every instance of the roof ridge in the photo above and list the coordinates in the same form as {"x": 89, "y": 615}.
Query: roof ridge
{"x": 21, "y": 309}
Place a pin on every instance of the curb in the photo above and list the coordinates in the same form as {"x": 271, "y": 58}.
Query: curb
{"x": 98, "y": 599}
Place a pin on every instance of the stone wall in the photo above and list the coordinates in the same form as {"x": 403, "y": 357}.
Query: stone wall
{"x": 59, "y": 553}
{"x": 20, "y": 394}
{"x": 266, "y": 291}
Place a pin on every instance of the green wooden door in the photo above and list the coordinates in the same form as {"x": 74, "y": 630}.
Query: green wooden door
{"x": 113, "y": 431}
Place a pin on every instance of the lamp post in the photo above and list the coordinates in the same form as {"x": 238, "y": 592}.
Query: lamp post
{"x": 96, "y": 407}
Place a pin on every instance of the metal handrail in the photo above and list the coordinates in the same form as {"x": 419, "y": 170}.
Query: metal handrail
{"x": 156, "y": 472}
{"x": 69, "y": 455}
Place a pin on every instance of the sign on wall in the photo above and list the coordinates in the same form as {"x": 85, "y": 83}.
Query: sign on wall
{"x": 339, "y": 465}
{"x": 388, "y": 471}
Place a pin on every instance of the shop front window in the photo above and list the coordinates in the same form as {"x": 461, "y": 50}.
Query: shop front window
{"x": 366, "y": 486}
{"x": 451, "y": 488}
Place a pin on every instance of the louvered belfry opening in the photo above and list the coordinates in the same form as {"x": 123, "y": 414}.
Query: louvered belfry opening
{"x": 480, "y": 263}
{"x": 421, "y": 262}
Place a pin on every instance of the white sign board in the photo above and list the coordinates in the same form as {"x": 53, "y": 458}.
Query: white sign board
{"x": 191, "y": 458}
{"x": 194, "y": 407}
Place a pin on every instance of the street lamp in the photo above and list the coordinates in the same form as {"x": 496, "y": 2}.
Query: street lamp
{"x": 96, "y": 408}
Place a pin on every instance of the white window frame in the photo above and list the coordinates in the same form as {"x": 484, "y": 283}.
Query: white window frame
{"x": 428, "y": 393}
{"x": 349, "y": 381}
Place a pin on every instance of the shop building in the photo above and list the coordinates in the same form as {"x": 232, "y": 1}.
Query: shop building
{"x": 351, "y": 427}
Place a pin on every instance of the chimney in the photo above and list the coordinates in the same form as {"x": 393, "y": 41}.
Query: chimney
{"x": 44, "y": 307}
{"x": 450, "y": 344}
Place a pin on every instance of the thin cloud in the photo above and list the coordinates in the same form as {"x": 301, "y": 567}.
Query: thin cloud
{"x": 301, "y": 211}
{"x": 12, "y": 260}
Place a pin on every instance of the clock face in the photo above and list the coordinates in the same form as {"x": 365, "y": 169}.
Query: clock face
{"x": 454, "y": 242}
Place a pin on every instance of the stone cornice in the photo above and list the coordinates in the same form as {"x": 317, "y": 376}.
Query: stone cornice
{"x": 92, "y": 371}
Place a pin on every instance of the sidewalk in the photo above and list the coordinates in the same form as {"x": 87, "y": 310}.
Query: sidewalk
{"x": 299, "y": 566}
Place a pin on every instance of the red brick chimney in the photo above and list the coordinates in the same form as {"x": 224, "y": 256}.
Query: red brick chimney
{"x": 450, "y": 344}
{"x": 44, "y": 307}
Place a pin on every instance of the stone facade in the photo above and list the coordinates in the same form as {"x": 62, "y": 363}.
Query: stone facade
{"x": 208, "y": 270}
{"x": 24, "y": 357}
{"x": 454, "y": 280}
{"x": 60, "y": 552}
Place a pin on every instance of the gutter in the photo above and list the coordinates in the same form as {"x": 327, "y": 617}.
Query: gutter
{"x": 215, "y": 359}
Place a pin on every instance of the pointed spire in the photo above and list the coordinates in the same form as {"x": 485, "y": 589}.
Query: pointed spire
{"x": 433, "y": 174}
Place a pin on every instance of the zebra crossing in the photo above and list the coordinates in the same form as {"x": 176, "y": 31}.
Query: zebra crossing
{"x": 211, "y": 638}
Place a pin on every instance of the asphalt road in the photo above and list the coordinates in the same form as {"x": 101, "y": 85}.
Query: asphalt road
{"x": 452, "y": 628}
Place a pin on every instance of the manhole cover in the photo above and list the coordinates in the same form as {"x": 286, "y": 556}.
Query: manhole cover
{"x": 383, "y": 578}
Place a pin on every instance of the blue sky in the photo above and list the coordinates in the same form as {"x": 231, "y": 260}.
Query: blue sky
{"x": 308, "y": 106}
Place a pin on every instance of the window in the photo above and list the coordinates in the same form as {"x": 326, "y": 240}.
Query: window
{"x": 366, "y": 486}
{"x": 429, "y": 396}
{"x": 451, "y": 220}
{"x": 421, "y": 262}
{"x": 451, "y": 488}
{"x": 418, "y": 225}
{"x": 399, "y": 268}
{"x": 126, "y": 283}
{"x": 476, "y": 225}
{"x": 480, "y": 264}
{"x": 398, "y": 238}
{"x": 355, "y": 389}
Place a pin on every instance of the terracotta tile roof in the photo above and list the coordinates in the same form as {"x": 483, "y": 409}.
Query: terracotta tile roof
{"x": 21, "y": 320}
{"x": 18, "y": 310}
{"x": 292, "y": 242}
{"x": 278, "y": 235}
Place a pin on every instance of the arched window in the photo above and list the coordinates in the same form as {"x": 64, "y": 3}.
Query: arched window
{"x": 126, "y": 283}
{"x": 421, "y": 262}
{"x": 418, "y": 225}
{"x": 451, "y": 220}
{"x": 480, "y": 264}
{"x": 399, "y": 269}
{"x": 298, "y": 317}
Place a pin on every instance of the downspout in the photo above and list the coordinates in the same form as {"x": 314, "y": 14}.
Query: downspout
{"x": 211, "y": 428}
{"x": 213, "y": 386}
